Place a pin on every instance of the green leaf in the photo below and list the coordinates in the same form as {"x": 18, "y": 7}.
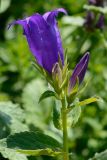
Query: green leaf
{"x": 13, "y": 155}
{"x": 11, "y": 119}
{"x": 100, "y": 156}
{"x": 36, "y": 114}
{"x": 47, "y": 94}
{"x": 73, "y": 20}
{"x": 88, "y": 101}
{"x": 4, "y": 4}
{"x": 74, "y": 115}
{"x": 31, "y": 143}
{"x": 9, "y": 153}
{"x": 56, "y": 117}
{"x": 96, "y": 9}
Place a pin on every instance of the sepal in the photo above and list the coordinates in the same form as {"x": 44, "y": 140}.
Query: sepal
{"x": 83, "y": 103}
{"x": 42, "y": 71}
{"x": 72, "y": 93}
{"x": 57, "y": 77}
{"x": 60, "y": 77}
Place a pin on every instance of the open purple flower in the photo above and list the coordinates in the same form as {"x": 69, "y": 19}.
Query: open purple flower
{"x": 79, "y": 71}
{"x": 43, "y": 37}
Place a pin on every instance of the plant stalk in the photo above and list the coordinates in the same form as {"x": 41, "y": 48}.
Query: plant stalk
{"x": 65, "y": 136}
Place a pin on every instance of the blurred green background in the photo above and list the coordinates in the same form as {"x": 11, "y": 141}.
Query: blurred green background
{"x": 23, "y": 85}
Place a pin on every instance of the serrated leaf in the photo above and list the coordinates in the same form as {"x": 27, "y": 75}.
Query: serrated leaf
{"x": 88, "y": 101}
{"x": 11, "y": 119}
{"x": 31, "y": 143}
{"x": 13, "y": 155}
{"x": 56, "y": 117}
{"x": 47, "y": 94}
{"x": 9, "y": 153}
{"x": 100, "y": 156}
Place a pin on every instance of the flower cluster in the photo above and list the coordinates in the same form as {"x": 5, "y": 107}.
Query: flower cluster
{"x": 94, "y": 20}
{"x": 43, "y": 37}
{"x": 99, "y": 3}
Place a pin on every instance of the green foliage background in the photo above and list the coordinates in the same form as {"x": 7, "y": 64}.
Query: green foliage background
{"x": 23, "y": 85}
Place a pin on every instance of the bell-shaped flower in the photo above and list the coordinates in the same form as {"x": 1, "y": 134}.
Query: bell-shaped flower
{"x": 43, "y": 38}
{"x": 94, "y": 20}
{"x": 79, "y": 72}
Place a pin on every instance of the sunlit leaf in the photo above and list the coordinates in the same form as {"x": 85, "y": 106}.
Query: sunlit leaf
{"x": 10, "y": 154}
{"x": 73, "y": 20}
{"x": 88, "y": 101}
{"x": 4, "y": 4}
{"x": 100, "y": 156}
{"x": 37, "y": 114}
{"x": 96, "y": 9}
{"x": 11, "y": 119}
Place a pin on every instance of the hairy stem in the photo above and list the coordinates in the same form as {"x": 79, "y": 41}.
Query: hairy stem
{"x": 64, "y": 125}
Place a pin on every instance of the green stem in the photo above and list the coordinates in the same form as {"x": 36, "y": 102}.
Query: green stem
{"x": 64, "y": 125}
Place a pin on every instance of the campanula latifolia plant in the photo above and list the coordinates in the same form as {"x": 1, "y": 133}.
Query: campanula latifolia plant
{"x": 44, "y": 40}
{"x": 95, "y": 20}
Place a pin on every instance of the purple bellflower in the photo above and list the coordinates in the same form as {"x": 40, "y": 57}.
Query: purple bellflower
{"x": 79, "y": 72}
{"x": 43, "y": 38}
{"x": 92, "y": 20}
{"x": 96, "y": 2}
{"x": 44, "y": 41}
{"x": 93, "y": 2}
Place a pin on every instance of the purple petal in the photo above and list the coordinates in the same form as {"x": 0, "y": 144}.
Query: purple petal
{"x": 79, "y": 71}
{"x": 93, "y": 2}
{"x": 50, "y": 19}
{"x": 43, "y": 38}
{"x": 35, "y": 46}
{"x": 44, "y": 41}
{"x": 50, "y": 16}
